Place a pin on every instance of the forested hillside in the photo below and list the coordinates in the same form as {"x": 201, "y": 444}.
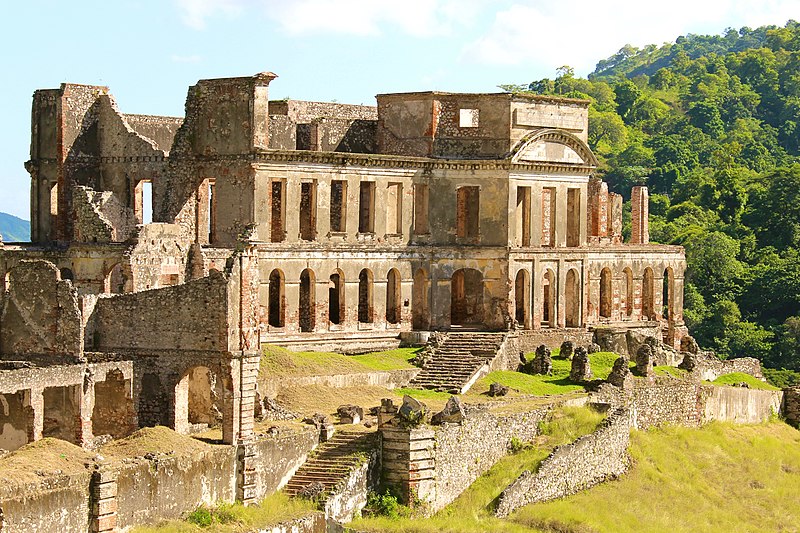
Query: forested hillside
{"x": 712, "y": 125}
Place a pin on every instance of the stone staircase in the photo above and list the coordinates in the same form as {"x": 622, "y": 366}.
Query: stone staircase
{"x": 460, "y": 361}
{"x": 332, "y": 464}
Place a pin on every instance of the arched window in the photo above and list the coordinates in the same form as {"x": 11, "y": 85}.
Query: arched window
{"x": 116, "y": 280}
{"x": 393, "y": 310}
{"x": 572, "y": 299}
{"x": 522, "y": 303}
{"x": 628, "y": 275}
{"x": 605, "y": 293}
{"x": 365, "y": 309}
{"x": 549, "y": 291}
{"x": 336, "y": 306}
{"x": 307, "y": 301}
{"x": 277, "y": 301}
{"x": 420, "y": 311}
{"x": 648, "y": 295}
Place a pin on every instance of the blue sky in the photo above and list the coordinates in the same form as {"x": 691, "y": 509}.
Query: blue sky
{"x": 149, "y": 51}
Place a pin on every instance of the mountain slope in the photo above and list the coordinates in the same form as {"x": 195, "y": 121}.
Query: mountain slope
{"x": 14, "y": 229}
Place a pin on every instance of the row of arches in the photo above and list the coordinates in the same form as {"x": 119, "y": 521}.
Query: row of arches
{"x": 466, "y": 299}
{"x": 549, "y": 295}
{"x": 649, "y": 308}
{"x": 307, "y": 299}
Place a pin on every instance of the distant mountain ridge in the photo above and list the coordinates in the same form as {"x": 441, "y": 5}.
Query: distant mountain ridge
{"x": 14, "y": 229}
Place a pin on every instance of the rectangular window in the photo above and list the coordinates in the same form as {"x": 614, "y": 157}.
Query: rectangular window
{"x": 467, "y": 211}
{"x": 394, "y": 209}
{"x": 143, "y": 202}
{"x": 338, "y": 206}
{"x": 468, "y": 118}
{"x": 366, "y": 207}
{"x": 523, "y": 216}
{"x": 573, "y": 217}
{"x": 212, "y": 212}
{"x": 308, "y": 211}
{"x": 277, "y": 212}
{"x": 421, "y": 209}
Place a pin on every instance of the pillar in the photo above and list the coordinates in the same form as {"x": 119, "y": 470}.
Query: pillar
{"x": 103, "y": 500}
{"x": 640, "y": 227}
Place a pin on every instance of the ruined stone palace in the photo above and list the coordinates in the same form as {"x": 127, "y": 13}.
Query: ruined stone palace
{"x": 166, "y": 250}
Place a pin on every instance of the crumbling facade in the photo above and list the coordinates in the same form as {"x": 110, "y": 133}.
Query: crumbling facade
{"x": 173, "y": 247}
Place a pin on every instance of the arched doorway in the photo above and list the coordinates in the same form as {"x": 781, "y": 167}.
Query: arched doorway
{"x": 307, "y": 301}
{"x": 605, "y": 293}
{"x": 522, "y": 298}
{"x": 466, "y": 297}
{"x": 336, "y": 308}
{"x": 393, "y": 297}
{"x": 572, "y": 299}
{"x": 628, "y": 275}
{"x": 648, "y": 295}
{"x": 420, "y": 311}
{"x": 115, "y": 280}
{"x": 277, "y": 306}
{"x": 365, "y": 309}
{"x": 549, "y": 299}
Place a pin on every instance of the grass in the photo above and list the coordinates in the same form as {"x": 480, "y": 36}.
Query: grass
{"x": 666, "y": 370}
{"x": 558, "y": 383}
{"x": 718, "y": 478}
{"x": 236, "y": 518}
{"x": 471, "y": 512}
{"x": 33, "y": 463}
{"x": 280, "y": 362}
{"x": 157, "y": 440}
{"x": 735, "y": 378}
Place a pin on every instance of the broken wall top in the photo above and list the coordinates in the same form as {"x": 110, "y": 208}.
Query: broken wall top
{"x": 39, "y": 313}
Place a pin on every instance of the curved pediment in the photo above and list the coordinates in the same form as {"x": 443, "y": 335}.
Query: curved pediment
{"x": 553, "y": 146}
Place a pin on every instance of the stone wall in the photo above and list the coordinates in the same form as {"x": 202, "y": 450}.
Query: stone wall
{"x": 573, "y": 467}
{"x": 166, "y": 487}
{"x": 61, "y": 504}
{"x": 467, "y": 450}
{"x": 167, "y": 317}
{"x": 668, "y": 401}
{"x": 740, "y": 405}
{"x": 275, "y": 459}
{"x": 388, "y": 379}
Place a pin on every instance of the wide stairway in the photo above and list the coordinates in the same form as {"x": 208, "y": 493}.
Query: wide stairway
{"x": 455, "y": 364}
{"x": 331, "y": 464}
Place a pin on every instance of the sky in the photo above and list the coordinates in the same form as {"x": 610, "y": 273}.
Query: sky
{"x": 148, "y": 52}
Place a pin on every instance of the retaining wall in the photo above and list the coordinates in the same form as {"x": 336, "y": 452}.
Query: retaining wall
{"x": 573, "y": 467}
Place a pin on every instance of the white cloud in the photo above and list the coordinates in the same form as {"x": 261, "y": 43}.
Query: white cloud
{"x": 195, "y": 12}
{"x": 419, "y": 18}
{"x": 580, "y": 32}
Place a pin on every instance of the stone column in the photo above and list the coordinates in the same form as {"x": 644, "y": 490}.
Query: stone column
{"x": 103, "y": 500}
{"x": 640, "y": 227}
{"x": 409, "y": 462}
{"x": 85, "y": 399}
{"x": 34, "y": 407}
{"x": 246, "y": 473}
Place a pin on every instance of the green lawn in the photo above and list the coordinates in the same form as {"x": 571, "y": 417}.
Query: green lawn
{"x": 740, "y": 377}
{"x": 558, "y": 383}
{"x": 277, "y": 361}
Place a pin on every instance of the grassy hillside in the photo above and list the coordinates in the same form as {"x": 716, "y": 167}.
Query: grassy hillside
{"x": 14, "y": 229}
{"x": 718, "y": 478}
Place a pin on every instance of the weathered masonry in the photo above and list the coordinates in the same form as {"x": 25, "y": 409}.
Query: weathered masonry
{"x": 173, "y": 247}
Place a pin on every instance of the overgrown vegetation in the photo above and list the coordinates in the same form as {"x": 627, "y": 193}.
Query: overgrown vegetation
{"x": 711, "y": 123}
{"x": 472, "y": 511}
{"x": 230, "y": 518}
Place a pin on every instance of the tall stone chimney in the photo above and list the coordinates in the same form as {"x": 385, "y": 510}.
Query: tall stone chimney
{"x": 640, "y": 227}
